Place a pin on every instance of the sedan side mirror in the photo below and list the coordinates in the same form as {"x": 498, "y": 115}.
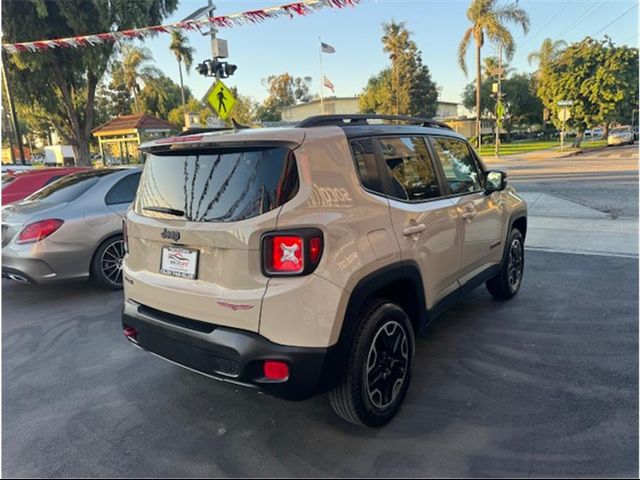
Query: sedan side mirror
{"x": 495, "y": 181}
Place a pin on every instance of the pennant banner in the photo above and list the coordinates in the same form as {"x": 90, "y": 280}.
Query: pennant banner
{"x": 226, "y": 21}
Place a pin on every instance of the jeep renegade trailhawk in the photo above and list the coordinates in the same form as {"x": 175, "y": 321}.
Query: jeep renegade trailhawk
{"x": 302, "y": 260}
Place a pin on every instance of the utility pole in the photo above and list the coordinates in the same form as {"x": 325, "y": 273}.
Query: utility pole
{"x": 14, "y": 117}
{"x": 214, "y": 30}
{"x": 499, "y": 107}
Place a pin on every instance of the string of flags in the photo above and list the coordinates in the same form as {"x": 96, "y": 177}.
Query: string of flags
{"x": 290, "y": 10}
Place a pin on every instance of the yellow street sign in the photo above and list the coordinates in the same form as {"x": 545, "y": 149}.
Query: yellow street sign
{"x": 221, "y": 99}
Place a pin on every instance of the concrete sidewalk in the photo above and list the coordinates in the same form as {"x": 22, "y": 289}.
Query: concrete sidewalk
{"x": 560, "y": 225}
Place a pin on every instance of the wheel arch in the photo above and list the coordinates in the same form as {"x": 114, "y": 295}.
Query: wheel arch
{"x": 99, "y": 244}
{"x": 400, "y": 283}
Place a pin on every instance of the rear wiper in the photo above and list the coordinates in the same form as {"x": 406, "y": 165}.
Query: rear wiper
{"x": 170, "y": 211}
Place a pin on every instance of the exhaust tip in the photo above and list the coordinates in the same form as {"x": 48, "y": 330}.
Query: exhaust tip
{"x": 19, "y": 278}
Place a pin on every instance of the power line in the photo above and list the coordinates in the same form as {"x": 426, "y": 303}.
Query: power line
{"x": 615, "y": 20}
{"x": 584, "y": 15}
{"x": 551, "y": 19}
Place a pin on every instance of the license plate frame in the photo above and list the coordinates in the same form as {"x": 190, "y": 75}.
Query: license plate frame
{"x": 179, "y": 262}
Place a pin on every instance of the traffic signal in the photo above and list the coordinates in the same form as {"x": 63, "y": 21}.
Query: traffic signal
{"x": 215, "y": 68}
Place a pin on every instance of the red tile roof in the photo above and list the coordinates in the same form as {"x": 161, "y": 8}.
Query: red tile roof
{"x": 140, "y": 121}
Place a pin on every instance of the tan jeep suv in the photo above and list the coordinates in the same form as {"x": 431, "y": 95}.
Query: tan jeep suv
{"x": 303, "y": 260}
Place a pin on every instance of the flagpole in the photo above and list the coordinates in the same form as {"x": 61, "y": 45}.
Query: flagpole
{"x": 321, "y": 78}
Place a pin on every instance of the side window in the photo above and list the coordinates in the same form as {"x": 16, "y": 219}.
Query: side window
{"x": 412, "y": 174}
{"x": 459, "y": 165}
{"x": 121, "y": 192}
{"x": 365, "y": 158}
{"x": 52, "y": 179}
{"x": 134, "y": 180}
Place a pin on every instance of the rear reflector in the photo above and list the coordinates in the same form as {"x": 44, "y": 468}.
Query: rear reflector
{"x": 131, "y": 333}
{"x": 274, "y": 370}
{"x": 37, "y": 231}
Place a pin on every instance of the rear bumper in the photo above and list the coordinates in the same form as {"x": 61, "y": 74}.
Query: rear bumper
{"x": 226, "y": 354}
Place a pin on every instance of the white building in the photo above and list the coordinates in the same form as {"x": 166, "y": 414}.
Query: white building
{"x": 346, "y": 105}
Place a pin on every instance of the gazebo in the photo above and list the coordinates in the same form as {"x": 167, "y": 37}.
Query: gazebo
{"x": 119, "y": 138}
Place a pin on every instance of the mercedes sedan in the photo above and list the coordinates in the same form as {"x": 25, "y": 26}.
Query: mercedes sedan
{"x": 70, "y": 230}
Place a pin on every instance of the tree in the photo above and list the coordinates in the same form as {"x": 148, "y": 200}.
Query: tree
{"x": 406, "y": 87}
{"x": 245, "y": 109}
{"x": 160, "y": 96}
{"x": 184, "y": 53}
{"x": 523, "y": 107}
{"x": 488, "y": 19}
{"x": 63, "y": 82}
{"x": 490, "y": 66}
{"x": 136, "y": 66}
{"x": 284, "y": 91}
{"x": 549, "y": 51}
{"x": 600, "y": 78}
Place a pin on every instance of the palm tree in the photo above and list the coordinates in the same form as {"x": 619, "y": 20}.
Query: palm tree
{"x": 488, "y": 18}
{"x": 395, "y": 41}
{"x": 549, "y": 51}
{"x": 184, "y": 53}
{"x": 135, "y": 67}
{"x": 491, "y": 64}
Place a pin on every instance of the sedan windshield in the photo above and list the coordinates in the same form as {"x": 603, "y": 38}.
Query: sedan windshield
{"x": 68, "y": 188}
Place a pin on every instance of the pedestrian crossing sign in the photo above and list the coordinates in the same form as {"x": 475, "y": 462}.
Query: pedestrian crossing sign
{"x": 221, "y": 99}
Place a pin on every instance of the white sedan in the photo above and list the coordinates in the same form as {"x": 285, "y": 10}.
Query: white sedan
{"x": 620, "y": 136}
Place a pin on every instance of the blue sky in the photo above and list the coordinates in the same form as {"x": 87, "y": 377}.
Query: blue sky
{"x": 291, "y": 45}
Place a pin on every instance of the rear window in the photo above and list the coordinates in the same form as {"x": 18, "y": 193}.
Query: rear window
{"x": 223, "y": 186}
{"x": 67, "y": 188}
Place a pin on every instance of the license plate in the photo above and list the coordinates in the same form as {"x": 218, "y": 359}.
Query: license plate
{"x": 179, "y": 262}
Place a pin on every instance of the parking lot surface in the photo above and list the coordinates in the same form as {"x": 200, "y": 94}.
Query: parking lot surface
{"x": 543, "y": 385}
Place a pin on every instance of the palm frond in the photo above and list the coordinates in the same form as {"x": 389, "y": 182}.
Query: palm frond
{"x": 462, "y": 49}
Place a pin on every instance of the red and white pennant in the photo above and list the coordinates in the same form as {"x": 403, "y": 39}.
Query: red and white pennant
{"x": 226, "y": 21}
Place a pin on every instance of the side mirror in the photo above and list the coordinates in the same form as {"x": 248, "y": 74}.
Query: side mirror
{"x": 495, "y": 181}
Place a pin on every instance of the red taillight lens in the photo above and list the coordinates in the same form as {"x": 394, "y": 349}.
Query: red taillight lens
{"x": 37, "y": 231}
{"x": 274, "y": 370}
{"x": 315, "y": 249}
{"x": 292, "y": 252}
{"x": 287, "y": 255}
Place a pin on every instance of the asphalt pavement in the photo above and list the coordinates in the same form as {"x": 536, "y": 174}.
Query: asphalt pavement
{"x": 543, "y": 385}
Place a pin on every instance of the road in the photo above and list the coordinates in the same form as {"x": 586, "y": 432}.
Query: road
{"x": 544, "y": 385}
{"x": 581, "y": 204}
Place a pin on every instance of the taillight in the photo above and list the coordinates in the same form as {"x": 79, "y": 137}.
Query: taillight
{"x": 36, "y": 231}
{"x": 295, "y": 252}
{"x": 125, "y": 236}
{"x": 287, "y": 254}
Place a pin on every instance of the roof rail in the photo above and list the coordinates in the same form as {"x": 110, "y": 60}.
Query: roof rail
{"x": 363, "y": 119}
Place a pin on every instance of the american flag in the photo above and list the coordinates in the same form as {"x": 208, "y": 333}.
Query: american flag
{"x": 328, "y": 84}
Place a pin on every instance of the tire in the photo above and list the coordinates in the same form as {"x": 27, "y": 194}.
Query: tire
{"x": 383, "y": 327}
{"x": 507, "y": 283}
{"x": 106, "y": 266}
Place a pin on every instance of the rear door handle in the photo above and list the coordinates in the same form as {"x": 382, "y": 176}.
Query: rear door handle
{"x": 414, "y": 229}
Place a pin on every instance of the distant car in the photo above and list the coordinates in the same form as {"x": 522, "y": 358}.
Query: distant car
{"x": 15, "y": 167}
{"x": 621, "y": 136}
{"x": 70, "y": 229}
{"x": 19, "y": 185}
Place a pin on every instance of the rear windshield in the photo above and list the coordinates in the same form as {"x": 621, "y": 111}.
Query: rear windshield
{"x": 68, "y": 188}
{"x": 222, "y": 186}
